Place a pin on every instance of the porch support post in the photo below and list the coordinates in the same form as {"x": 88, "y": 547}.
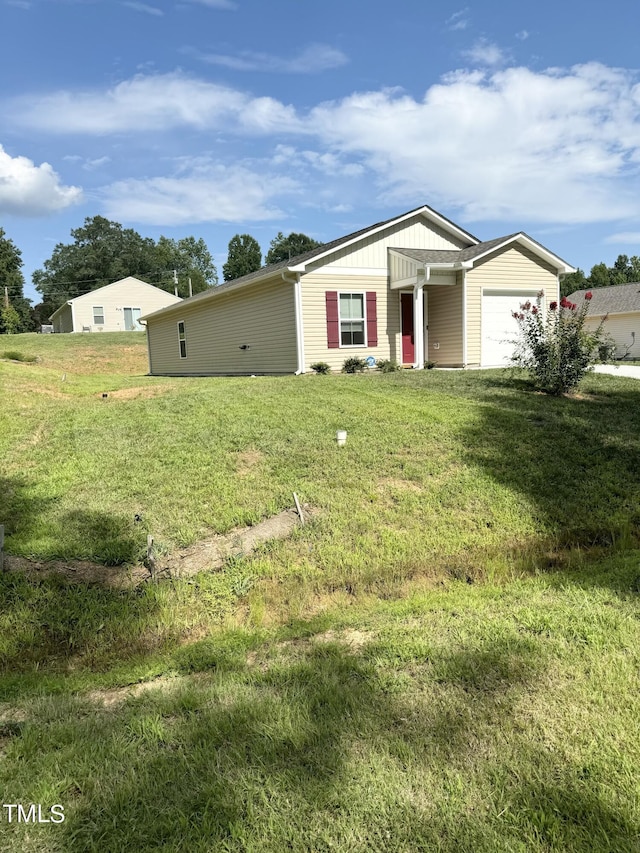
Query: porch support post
{"x": 418, "y": 325}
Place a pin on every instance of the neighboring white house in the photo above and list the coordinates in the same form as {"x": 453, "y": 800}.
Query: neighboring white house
{"x": 117, "y": 307}
{"x": 620, "y": 304}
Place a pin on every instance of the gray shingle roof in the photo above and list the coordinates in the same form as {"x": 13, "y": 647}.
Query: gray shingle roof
{"x": 452, "y": 256}
{"x": 617, "y": 299}
{"x": 266, "y": 271}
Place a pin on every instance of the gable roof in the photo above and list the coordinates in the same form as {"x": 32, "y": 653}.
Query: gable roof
{"x": 471, "y": 254}
{"x": 100, "y": 290}
{"x": 299, "y": 262}
{"x": 617, "y": 299}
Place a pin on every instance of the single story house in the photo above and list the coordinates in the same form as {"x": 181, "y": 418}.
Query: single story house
{"x": 116, "y": 307}
{"x": 620, "y": 304}
{"x": 414, "y": 288}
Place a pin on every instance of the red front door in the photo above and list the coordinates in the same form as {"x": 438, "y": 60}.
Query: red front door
{"x": 406, "y": 310}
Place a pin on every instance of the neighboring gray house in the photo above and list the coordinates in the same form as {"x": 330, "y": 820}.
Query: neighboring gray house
{"x": 117, "y": 307}
{"x": 414, "y": 288}
{"x": 620, "y": 304}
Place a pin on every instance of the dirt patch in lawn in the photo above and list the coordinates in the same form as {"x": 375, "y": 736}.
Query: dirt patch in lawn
{"x": 138, "y": 391}
{"x": 247, "y": 460}
{"x": 205, "y": 556}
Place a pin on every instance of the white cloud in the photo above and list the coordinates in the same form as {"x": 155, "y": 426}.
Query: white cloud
{"x": 555, "y": 146}
{"x": 143, "y": 7}
{"x": 624, "y": 237}
{"x": 30, "y": 190}
{"x": 459, "y": 20}
{"x": 311, "y": 60}
{"x": 523, "y": 35}
{"x": 205, "y": 193}
{"x": 216, "y": 4}
{"x": 485, "y": 52}
{"x": 327, "y": 163}
{"x": 153, "y": 102}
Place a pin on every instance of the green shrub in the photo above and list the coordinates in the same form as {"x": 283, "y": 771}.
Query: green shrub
{"x": 387, "y": 365}
{"x": 354, "y": 365}
{"x": 607, "y": 349}
{"x": 555, "y": 349}
{"x": 14, "y": 355}
{"x": 429, "y": 365}
{"x": 321, "y": 367}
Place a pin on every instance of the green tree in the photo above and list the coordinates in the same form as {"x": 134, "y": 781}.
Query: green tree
{"x": 12, "y": 279}
{"x": 599, "y": 276}
{"x": 244, "y": 256}
{"x": 103, "y": 252}
{"x": 283, "y": 248}
{"x": 10, "y": 321}
{"x": 574, "y": 281}
{"x": 189, "y": 259}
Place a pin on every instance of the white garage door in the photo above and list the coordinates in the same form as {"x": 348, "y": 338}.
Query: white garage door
{"x": 499, "y": 329}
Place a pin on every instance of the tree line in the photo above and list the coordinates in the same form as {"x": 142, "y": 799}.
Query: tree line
{"x": 103, "y": 251}
{"x": 625, "y": 270}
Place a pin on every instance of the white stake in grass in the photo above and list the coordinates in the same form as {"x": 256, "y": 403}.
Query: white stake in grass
{"x": 341, "y": 437}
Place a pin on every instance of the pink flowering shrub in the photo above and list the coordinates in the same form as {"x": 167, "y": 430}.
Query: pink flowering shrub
{"x": 555, "y": 348}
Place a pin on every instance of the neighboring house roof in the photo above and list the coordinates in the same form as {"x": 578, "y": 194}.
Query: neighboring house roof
{"x": 471, "y": 254}
{"x": 617, "y": 299}
{"x": 299, "y": 262}
{"x": 100, "y": 290}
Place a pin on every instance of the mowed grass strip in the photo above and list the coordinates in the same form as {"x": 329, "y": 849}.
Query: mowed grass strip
{"x": 485, "y": 718}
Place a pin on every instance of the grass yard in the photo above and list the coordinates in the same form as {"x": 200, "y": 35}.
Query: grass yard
{"x": 445, "y": 658}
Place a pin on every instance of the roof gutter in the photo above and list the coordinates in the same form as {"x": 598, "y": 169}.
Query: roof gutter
{"x": 297, "y": 296}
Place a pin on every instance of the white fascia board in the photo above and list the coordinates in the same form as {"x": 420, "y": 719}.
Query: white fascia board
{"x": 327, "y": 270}
{"x": 423, "y": 211}
{"x": 536, "y": 248}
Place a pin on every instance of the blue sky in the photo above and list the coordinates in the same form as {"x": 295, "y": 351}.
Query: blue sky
{"x": 213, "y": 117}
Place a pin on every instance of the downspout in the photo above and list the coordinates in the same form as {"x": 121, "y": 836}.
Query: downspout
{"x": 297, "y": 297}
{"x": 146, "y": 329}
{"x": 73, "y": 316}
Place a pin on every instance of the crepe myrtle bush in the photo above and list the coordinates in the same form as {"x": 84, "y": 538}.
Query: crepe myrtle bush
{"x": 554, "y": 347}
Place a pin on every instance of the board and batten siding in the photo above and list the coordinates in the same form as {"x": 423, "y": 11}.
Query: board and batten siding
{"x": 371, "y": 253}
{"x": 623, "y": 328}
{"x": 314, "y": 314}
{"x": 444, "y": 318}
{"x": 513, "y": 268}
{"x": 261, "y": 317}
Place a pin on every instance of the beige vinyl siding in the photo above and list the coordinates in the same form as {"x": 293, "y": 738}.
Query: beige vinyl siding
{"x": 113, "y": 299}
{"x": 414, "y": 233}
{"x": 513, "y": 268}
{"x": 444, "y": 316}
{"x": 314, "y": 316}
{"x": 63, "y": 321}
{"x": 620, "y": 327}
{"x": 261, "y": 316}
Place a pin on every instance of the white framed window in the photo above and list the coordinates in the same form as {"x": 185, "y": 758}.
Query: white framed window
{"x": 182, "y": 339}
{"x": 98, "y": 315}
{"x": 351, "y": 312}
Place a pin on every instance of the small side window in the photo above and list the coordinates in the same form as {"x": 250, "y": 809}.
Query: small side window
{"x": 182, "y": 339}
{"x": 98, "y": 315}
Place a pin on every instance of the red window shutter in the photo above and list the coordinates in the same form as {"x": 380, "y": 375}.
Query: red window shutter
{"x": 372, "y": 320}
{"x": 333, "y": 320}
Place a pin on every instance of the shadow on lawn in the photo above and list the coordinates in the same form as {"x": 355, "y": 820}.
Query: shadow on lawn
{"x": 575, "y": 460}
{"x": 317, "y": 751}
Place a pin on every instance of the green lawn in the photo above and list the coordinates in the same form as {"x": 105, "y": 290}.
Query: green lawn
{"x": 445, "y": 658}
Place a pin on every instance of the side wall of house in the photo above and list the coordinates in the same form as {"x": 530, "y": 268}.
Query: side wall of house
{"x": 64, "y": 321}
{"x": 624, "y": 329}
{"x": 261, "y": 318}
{"x": 514, "y": 268}
{"x": 113, "y": 299}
